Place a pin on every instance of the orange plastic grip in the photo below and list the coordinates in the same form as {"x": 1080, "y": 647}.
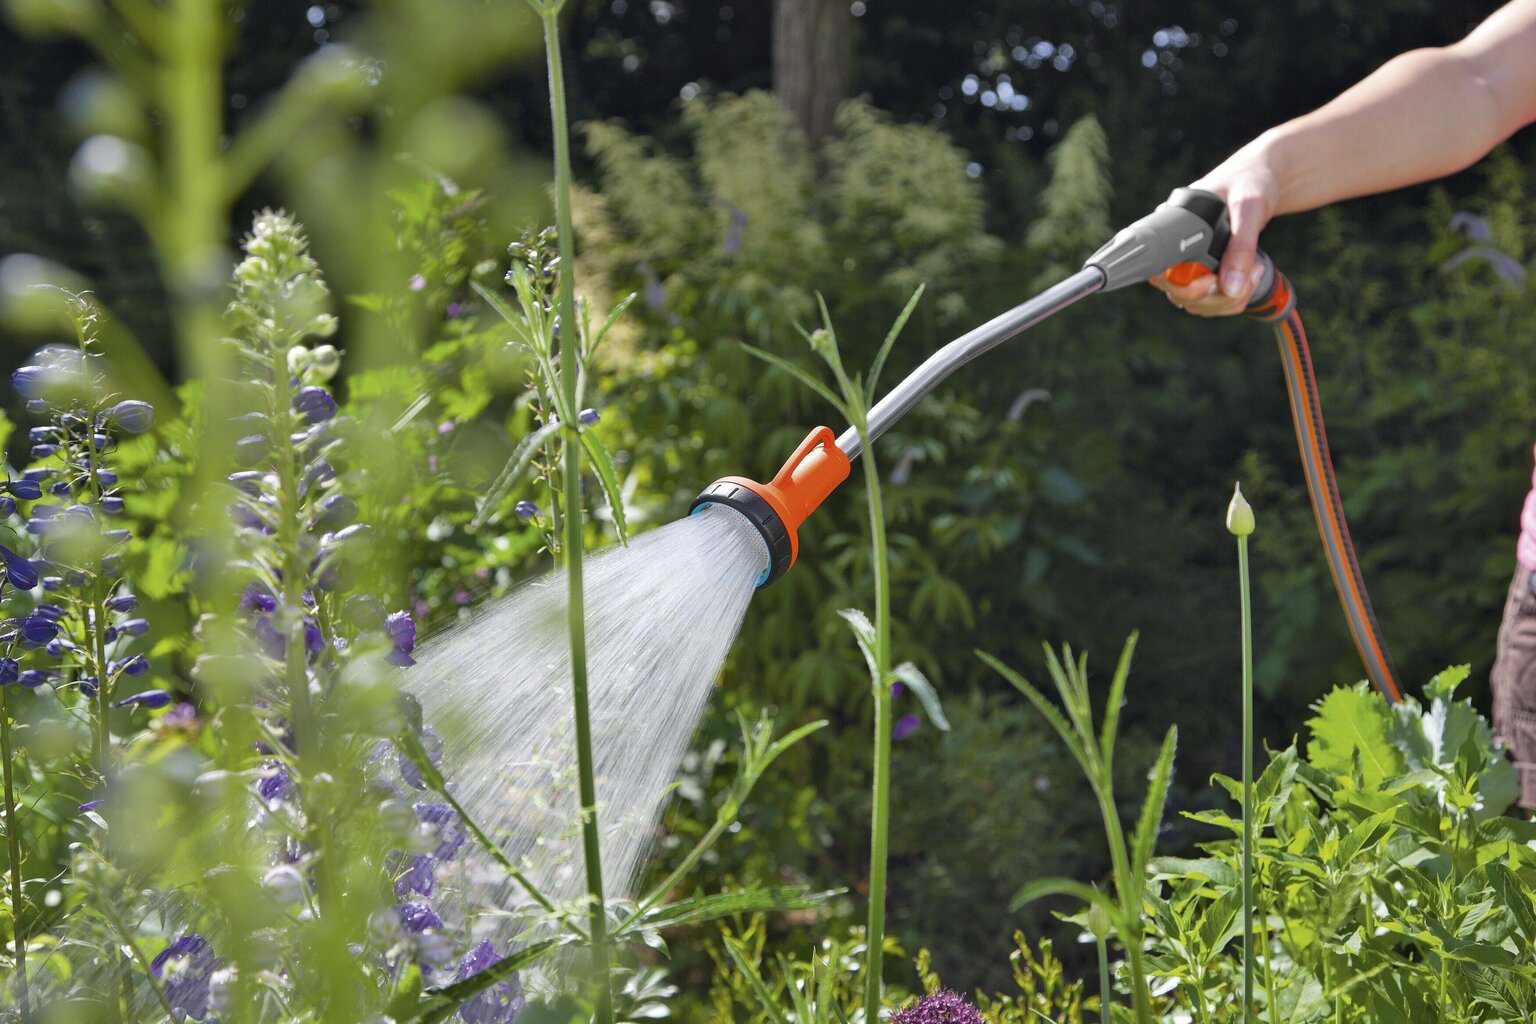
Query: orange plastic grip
{"x": 811, "y": 473}
{"x": 1186, "y": 273}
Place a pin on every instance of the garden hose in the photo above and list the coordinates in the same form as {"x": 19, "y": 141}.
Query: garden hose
{"x": 1186, "y": 236}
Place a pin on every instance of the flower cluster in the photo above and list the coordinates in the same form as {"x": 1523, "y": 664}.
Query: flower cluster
{"x": 300, "y": 617}
{"x": 80, "y": 633}
{"x": 941, "y": 1007}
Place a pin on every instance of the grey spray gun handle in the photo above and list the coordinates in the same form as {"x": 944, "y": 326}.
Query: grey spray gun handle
{"x": 1191, "y": 227}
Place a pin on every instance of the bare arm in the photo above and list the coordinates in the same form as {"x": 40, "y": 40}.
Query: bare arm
{"x": 1420, "y": 116}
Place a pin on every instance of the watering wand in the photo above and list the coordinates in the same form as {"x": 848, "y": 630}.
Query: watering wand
{"x": 1185, "y": 236}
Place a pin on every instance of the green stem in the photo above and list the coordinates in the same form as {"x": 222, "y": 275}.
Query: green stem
{"x": 1247, "y": 631}
{"x": 570, "y": 363}
{"x": 880, "y": 811}
{"x": 13, "y": 852}
{"x": 1269, "y": 967}
{"x": 1127, "y": 893}
{"x": 1104, "y": 993}
{"x": 136, "y": 955}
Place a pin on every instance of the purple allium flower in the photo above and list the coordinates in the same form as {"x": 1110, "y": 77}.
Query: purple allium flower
{"x": 315, "y": 404}
{"x": 10, "y": 671}
{"x": 589, "y": 416}
{"x": 526, "y": 509}
{"x": 133, "y": 416}
{"x": 905, "y": 726}
{"x": 501, "y": 1003}
{"x": 943, "y": 1007}
{"x": 146, "y": 699}
{"x": 183, "y": 969}
{"x": 20, "y": 572}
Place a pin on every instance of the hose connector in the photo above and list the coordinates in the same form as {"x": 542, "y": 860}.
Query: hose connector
{"x": 778, "y": 507}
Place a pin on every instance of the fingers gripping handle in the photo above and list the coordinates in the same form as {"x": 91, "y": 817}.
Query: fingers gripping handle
{"x": 1186, "y": 236}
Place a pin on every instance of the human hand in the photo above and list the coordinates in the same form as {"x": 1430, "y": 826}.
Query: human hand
{"x": 1251, "y": 191}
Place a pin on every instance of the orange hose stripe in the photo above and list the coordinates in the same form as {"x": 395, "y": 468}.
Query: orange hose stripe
{"x": 1306, "y": 417}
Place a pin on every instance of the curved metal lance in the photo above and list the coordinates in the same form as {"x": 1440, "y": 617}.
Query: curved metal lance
{"x": 1186, "y": 236}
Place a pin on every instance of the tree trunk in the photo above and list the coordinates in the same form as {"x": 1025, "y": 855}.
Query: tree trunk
{"x": 812, "y": 58}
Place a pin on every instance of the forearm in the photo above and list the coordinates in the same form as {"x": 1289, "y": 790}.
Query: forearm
{"x": 1421, "y": 116}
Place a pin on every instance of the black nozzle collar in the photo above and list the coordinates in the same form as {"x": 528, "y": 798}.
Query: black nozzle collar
{"x": 760, "y": 514}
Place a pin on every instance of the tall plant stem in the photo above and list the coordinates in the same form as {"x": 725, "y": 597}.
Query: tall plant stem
{"x": 1104, "y": 992}
{"x": 570, "y": 367}
{"x": 13, "y": 852}
{"x": 1247, "y": 630}
{"x": 880, "y": 810}
{"x": 307, "y": 739}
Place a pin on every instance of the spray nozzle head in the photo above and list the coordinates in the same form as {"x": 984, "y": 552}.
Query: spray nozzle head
{"x": 777, "y": 508}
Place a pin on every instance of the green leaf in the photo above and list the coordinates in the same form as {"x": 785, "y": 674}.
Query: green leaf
{"x": 1353, "y": 722}
{"x": 602, "y": 332}
{"x": 523, "y": 454}
{"x": 756, "y": 900}
{"x": 603, "y": 463}
{"x": 1220, "y": 923}
{"x": 804, "y": 377}
{"x": 1043, "y": 887}
{"x": 864, "y": 633}
{"x": 1047, "y": 710}
{"x": 738, "y": 955}
{"x": 1152, "y": 808}
{"x": 1205, "y": 869}
{"x": 1116, "y": 699}
{"x": 890, "y": 340}
{"x": 919, "y": 684}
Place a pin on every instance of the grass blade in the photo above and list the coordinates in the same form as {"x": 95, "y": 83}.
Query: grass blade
{"x": 890, "y": 341}
{"x": 803, "y": 376}
{"x": 1116, "y": 699}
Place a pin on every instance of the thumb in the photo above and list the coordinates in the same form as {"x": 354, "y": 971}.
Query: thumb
{"x": 1248, "y": 219}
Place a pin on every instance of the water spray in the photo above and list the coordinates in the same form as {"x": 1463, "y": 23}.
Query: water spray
{"x": 1185, "y": 236}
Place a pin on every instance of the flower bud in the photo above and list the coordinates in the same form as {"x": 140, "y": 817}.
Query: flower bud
{"x": 1239, "y": 514}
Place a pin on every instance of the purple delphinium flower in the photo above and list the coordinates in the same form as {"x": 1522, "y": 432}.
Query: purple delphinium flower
{"x": 417, "y": 916}
{"x": 589, "y": 416}
{"x": 905, "y": 726}
{"x": 145, "y": 699}
{"x": 420, "y": 877}
{"x": 501, "y": 1003}
{"x": 446, "y": 824}
{"x": 402, "y": 635}
{"x": 133, "y": 416}
{"x": 315, "y": 404}
{"x": 183, "y": 969}
{"x": 20, "y": 572}
{"x": 942, "y": 1007}
{"x": 10, "y": 671}
{"x": 526, "y": 510}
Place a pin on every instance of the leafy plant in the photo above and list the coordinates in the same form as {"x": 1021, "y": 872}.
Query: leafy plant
{"x": 1094, "y": 751}
{"x": 1390, "y": 887}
